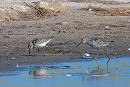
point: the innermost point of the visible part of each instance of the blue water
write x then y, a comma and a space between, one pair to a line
71, 74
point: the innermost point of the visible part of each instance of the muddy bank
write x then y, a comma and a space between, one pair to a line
68, 29
30, 10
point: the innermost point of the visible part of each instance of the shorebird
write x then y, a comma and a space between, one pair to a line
96, 43
38, 43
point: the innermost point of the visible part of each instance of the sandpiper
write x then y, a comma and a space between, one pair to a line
38, 43
97, 43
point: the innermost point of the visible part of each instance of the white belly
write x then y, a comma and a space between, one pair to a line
41, 45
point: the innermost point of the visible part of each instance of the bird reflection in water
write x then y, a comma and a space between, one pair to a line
40, 72
95, 74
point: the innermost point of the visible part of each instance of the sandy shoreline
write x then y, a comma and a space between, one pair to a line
15, 36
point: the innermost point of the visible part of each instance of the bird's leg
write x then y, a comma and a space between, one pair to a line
96, 59
107, 64
108, 57
29, 51
38, 50
43, 52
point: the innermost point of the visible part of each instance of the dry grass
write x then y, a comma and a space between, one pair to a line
120, 11
37, 12
34, 12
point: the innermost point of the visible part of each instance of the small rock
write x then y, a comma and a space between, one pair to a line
86, 55
107, 27
90, 9
17, 65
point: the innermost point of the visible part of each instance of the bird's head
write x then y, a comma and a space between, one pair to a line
83, 40
30, 45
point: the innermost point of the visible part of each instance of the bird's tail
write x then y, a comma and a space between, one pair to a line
111, 41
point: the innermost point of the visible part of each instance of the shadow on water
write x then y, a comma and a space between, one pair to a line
80, 73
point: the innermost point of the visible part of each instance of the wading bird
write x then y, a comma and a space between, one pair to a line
39, 43
96, 43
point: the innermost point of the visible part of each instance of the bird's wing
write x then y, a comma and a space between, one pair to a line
41, 41
103, 43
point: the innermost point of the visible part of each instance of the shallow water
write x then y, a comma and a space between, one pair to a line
83, 73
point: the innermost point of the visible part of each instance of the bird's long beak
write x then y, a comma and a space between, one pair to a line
78, 44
